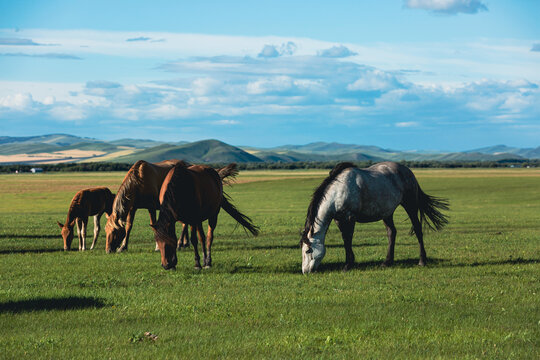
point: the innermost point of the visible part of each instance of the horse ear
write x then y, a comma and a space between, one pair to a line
71, 224
60, 224
154, 227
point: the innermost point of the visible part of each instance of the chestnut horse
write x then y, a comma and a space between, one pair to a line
192, 195
85, 203
140, 189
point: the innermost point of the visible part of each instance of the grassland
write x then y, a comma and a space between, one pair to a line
477, 298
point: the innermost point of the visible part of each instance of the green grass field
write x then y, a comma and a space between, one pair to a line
477, 298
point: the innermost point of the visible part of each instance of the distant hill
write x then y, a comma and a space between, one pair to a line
205, 151
52, 139
68, 148
527, 153
136, 143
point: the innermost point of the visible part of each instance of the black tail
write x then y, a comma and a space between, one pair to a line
242, 219
228, 173
429, 210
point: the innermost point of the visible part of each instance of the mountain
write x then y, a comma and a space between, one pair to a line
136, 143
52, 139
55, 148
527, 153
205, 151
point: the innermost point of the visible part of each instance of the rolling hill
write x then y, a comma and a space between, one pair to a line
205, 151
68, 148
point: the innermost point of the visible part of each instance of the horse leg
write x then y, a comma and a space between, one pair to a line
202, 240
96, 229
129, 224
152, 213
212, 222
183, 240
194, 243
83, 233
417, 227
347, 229
79, 231
391, 232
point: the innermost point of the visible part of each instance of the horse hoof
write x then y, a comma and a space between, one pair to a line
207, 266
421, 263
119, 250
387, 264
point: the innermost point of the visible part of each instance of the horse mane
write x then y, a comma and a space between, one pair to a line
73, 207
126, 191
167, 211
318, 197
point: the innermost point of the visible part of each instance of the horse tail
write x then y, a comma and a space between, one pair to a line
429, 207
228, 173
242, 219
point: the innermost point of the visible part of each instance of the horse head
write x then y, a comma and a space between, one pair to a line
67, 233
313, 252
167, 246
114, 234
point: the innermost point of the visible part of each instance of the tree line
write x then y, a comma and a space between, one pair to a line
107, 166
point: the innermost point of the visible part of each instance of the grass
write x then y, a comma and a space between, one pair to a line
477, 298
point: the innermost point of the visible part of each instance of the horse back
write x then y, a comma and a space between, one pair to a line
194, 193
93, 201
373, 193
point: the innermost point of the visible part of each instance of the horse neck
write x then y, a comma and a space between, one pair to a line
325, 214
166, 217
72, 214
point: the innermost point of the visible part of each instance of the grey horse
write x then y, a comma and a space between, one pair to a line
350, 195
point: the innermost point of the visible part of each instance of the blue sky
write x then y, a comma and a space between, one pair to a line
400, 74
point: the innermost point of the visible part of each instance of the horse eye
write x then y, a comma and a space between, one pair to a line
309, 251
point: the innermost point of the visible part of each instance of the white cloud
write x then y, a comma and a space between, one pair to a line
406, 124
272, 51
375, 80
270, 85
448, 6
225, 122
337, 52
68, 112
17, 102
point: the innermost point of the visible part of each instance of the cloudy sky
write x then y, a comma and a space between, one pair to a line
400, 74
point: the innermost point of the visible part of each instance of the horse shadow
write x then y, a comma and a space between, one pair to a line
53, 303
337, 266
30, 251
26, 236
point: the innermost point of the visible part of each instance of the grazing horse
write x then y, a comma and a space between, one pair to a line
192, 195
140, 189
85, 203
350, 195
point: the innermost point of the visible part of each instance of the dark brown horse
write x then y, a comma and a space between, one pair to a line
85, 203
139, 190
192, 195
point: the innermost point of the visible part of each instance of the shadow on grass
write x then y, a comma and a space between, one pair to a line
29, 251
295, 246
296, 268
46, 304
26, 236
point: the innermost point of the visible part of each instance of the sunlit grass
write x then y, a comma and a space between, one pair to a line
478, 296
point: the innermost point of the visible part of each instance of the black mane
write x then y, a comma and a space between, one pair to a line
318, 196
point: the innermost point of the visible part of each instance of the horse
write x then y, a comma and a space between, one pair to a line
350, 195
85, 203
229, 171
192, 195
139, 190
